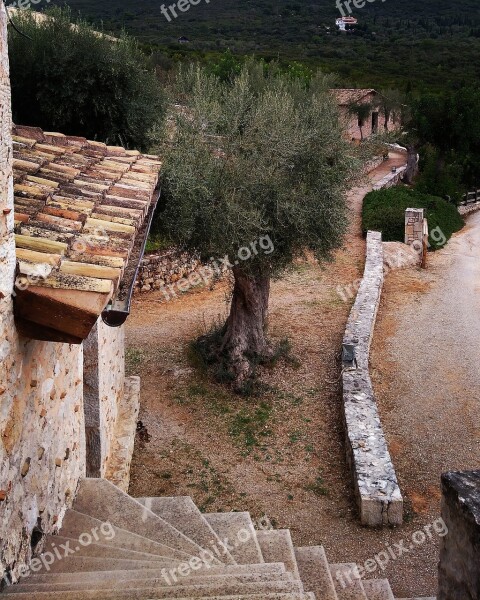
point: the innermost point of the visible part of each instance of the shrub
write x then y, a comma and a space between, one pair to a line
72, 79
384, 211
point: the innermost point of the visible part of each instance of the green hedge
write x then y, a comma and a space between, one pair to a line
384, 211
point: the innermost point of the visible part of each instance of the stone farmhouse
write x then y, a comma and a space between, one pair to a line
74, 216
371, 125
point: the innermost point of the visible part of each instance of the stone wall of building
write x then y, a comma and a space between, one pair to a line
111, 405
459, 568
378, 495
42, 443
103, 380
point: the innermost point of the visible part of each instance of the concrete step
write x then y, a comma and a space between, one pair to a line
315, 572
101, 499
165, 579
271, 570
76, 524
236, 529
277, 546
347, 584
61, 546
378, 589
80, 564
143, 593
183, 514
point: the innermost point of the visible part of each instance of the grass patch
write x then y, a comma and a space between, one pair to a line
317, 487
249, 425
384, 210
157, 243
134, 358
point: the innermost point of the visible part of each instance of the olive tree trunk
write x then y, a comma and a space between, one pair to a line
244, 339
412, 165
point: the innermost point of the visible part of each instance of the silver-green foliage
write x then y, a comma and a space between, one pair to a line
262, 155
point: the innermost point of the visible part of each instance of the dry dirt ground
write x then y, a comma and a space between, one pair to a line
280, 454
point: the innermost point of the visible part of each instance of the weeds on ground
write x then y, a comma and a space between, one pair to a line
317, 487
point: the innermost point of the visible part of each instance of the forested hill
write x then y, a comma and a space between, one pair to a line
424, 42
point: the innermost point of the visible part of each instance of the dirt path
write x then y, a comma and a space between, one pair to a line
282, 454
425, 361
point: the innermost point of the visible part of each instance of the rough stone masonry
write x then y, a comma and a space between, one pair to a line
378, 495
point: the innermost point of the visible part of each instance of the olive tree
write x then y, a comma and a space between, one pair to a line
260, 162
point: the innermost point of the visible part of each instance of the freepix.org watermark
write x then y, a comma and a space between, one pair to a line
181, 6
218, 267
218, 548
392, 552
345, 6
58, 551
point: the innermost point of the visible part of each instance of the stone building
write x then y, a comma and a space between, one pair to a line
73, 218
374, 123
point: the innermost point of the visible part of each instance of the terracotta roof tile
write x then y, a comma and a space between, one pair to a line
345, 96
82, 202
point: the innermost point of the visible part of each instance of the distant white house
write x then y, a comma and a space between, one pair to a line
342, 22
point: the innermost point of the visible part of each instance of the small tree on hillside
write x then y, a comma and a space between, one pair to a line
72, 79
391, 104
362, 111
258, 172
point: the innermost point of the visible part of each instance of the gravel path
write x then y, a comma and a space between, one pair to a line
425, 361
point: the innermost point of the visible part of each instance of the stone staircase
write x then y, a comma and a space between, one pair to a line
114, 547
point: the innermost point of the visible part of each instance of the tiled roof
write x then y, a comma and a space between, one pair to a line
79, 206
346, 96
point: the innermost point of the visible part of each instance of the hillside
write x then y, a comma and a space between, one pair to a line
424, 43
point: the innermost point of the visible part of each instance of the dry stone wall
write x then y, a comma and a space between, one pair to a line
164, 269
378, 495
41, 411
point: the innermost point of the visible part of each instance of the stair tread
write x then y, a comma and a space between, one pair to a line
104, 501
378, 589
75, 524
143, 592
272, 569
277, 546
315, 572
347, 584
183, 514
158, 580
80, 564
263, 596
237, 528
72, 546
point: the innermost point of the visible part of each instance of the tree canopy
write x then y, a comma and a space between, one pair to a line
263, 155
72, 79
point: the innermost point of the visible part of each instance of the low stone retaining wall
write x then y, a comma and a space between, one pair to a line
164, 269
379, 498
391, 179
466, 209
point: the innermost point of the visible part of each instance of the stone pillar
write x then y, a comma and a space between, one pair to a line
459, 570
414, 226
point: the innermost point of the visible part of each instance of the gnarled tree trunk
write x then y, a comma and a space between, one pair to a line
244, 339
412, 165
